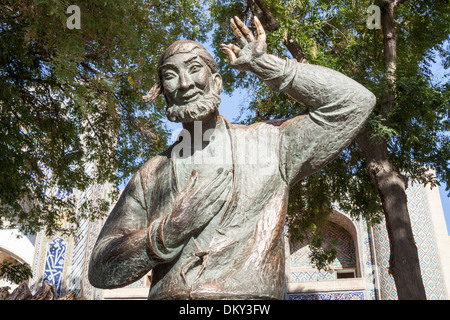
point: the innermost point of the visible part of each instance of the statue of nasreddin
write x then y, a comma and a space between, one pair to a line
208, 214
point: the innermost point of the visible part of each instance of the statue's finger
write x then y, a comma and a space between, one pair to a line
192, 179
189, 186
215, 192
218, 179
232, 47
235, 48
259, 29
230, 54
238, 33
244, 29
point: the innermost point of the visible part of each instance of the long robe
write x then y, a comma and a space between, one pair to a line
238, 254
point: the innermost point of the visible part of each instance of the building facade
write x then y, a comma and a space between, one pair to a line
361, 269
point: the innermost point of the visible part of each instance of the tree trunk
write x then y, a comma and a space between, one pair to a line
47, 291
4, 292
404, 263
22, 292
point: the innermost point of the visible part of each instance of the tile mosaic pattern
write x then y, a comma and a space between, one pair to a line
356, 295
336, 236
426, 244
369, 267
54, 263
312, 276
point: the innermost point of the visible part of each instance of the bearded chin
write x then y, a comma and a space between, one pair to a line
194, 111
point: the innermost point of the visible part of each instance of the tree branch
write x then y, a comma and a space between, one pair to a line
390, 56
264, 14
294, 48
270, 23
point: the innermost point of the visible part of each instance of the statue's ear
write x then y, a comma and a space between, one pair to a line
218, 82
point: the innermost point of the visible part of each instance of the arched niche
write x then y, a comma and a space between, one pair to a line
341, 232
351, 237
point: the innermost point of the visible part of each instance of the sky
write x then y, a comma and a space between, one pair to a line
439, 73
445, 206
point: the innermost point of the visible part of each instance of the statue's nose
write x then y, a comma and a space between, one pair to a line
185, 81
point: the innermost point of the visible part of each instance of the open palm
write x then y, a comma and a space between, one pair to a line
250, 47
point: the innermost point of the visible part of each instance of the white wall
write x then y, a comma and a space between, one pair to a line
21, 248
440, 229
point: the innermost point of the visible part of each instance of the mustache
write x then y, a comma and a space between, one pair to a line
193, 111
190, 94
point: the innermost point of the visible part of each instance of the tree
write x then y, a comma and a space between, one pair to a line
72, 97
15, 272
370, 177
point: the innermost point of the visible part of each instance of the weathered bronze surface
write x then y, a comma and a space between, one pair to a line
207, 215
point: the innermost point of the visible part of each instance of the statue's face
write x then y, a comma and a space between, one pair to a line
185, 78
190, 88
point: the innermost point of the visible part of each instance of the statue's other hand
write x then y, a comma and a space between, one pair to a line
250, 47
196, 205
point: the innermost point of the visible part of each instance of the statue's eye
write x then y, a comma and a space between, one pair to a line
169, 75
195, 68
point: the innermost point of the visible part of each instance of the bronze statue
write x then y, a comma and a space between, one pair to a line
207, 215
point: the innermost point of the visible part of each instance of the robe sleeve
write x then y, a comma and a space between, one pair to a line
338, 108
128, 247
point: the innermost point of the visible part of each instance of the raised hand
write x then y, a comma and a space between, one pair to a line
196, 205
241, 58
